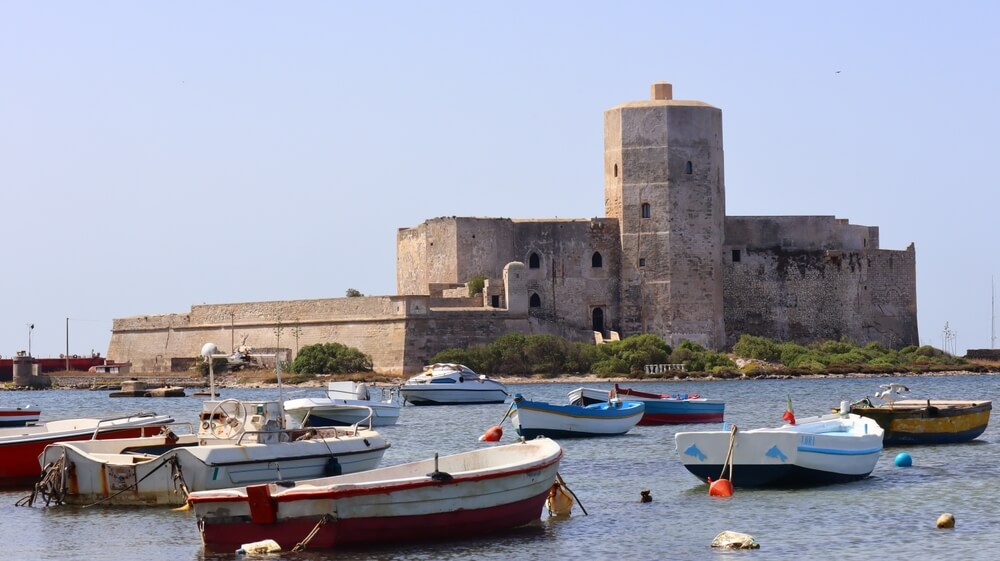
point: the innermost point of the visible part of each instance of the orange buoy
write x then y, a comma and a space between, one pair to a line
492, 434
720, 488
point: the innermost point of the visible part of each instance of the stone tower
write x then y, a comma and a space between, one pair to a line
663, 181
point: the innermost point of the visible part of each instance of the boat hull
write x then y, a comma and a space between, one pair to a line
659, 410
140, 472
20, 448
532, 419
935, 422
400, 503
310, 412
17, 417
428, 394
818, 451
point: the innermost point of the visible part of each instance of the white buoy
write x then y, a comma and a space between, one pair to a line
259, 548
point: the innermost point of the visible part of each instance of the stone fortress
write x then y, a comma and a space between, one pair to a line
665, 259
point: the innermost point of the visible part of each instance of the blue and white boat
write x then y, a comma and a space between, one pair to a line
816, 451
661, 409
537, 418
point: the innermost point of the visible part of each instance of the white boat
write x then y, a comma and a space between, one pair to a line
816, 451
346, 403
608, 418
451, 497
451, 384
237, 443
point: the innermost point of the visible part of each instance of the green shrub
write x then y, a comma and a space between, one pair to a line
476, 285
330, 358
761, 348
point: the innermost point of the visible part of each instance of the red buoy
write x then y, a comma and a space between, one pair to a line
492, 434
720, 488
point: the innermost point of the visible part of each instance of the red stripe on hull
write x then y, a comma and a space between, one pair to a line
441, 526
19, 461
675, 419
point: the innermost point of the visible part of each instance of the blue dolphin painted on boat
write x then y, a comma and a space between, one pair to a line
775, 453
695, 452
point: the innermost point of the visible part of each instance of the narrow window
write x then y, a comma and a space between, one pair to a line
688, 168
736, 256
645, 210
642, 261
596, 261
616, 170
535, 301
534, 261
495, 300
864, 242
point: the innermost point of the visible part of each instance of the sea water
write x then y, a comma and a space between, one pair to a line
890, 515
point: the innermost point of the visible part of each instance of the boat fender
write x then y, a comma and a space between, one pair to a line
559, 502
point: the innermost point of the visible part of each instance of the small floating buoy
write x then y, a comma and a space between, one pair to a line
720, 488
645, 497
492, 434
946, 520
257, 548
903, 460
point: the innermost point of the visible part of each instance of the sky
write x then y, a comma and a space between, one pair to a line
159, 155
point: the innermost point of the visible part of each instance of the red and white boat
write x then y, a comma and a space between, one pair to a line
455, 496
20, 446
18, 416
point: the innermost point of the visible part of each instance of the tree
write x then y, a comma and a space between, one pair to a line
354, 293
331, 358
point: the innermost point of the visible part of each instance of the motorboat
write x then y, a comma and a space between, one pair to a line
452, 497
346, 403
20, 446
236, 443
451, 384
819, 450
19, 416
661, 408
538, 418
925, 421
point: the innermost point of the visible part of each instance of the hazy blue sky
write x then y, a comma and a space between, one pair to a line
159, 155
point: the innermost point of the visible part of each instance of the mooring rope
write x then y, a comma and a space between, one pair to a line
301, 546
50, 486
559, 480
729, 455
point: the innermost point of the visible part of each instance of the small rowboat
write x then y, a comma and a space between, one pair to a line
608, 418
457, 496
18, 416
817, 451
661, 409
915, 421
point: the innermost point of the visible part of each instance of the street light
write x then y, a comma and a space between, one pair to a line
209, 351
31, 327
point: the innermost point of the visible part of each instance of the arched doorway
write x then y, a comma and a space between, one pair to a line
598, 319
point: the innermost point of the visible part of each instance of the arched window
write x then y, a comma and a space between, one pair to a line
535, 301
688, 168
645, 210
597, 261
534, 261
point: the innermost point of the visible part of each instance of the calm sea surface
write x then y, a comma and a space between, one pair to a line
890, 515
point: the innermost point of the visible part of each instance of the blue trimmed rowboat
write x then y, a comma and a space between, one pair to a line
817, 451
608, 418
661, 409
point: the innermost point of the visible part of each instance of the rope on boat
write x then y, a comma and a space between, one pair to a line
51, 486
729, 455
560, 482
301, 546
170, 460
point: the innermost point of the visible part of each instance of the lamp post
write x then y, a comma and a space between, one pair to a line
31, 328
67, 344
209, 351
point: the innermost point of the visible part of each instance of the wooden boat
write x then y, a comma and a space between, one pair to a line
18, 416
537, 418
456, 496
661, 409
346, 403
451, 384
917, 421
135, 388
20, 446
237, 443
815, 451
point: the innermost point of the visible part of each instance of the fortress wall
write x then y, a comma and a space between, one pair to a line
799, 232
375, 325
411, 259
485, 245
815, 295
566, 281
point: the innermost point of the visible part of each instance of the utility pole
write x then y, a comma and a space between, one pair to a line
67, 344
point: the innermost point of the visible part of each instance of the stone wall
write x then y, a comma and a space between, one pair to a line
799, 232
